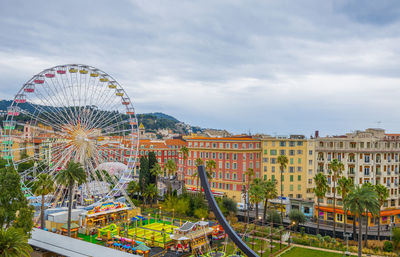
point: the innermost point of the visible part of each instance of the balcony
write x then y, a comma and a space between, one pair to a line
378, 161
351, 160
320, 159
367, 174
351, 173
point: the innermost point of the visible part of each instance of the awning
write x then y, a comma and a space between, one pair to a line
340, 211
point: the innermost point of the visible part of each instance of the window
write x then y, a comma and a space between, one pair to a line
291, 152
292, 143
273, 177
272, 152
220, 156
299, 169
291, 178
227, 165
234, 176
282, 152
298, 177
227, 156
310, 181
299, 187
214, 145
310, 162
300, 143
310, 152
227, 145
291, 169
244, 166
299, 151
234, 156
265, 160
250, 146
265, 168
291, 160
282, 143
244, 157
273, 168
227, 176
234, 166
207, 145
214, 155
291, 187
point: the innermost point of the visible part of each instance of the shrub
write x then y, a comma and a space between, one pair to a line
388, 246
327, 239
274, 216
302, 231
297, 217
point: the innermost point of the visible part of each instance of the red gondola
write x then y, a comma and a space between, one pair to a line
61, 71
29, 88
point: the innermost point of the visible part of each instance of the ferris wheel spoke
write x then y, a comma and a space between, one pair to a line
109, 104
48, 103
43, 121
65, 97
41, 111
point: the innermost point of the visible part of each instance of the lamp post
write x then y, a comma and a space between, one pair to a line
262, 240
148, 219
347, 235
173, 216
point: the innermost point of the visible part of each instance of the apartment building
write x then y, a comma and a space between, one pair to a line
295, 178
233, 155
368, 156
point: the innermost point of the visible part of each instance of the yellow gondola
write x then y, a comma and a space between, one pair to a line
119, 94
93, 74
104, 79
112, 86
73, 70
83, 72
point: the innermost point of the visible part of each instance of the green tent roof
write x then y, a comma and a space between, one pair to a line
143, 248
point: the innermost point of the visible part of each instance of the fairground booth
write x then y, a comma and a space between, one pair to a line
105, 214
193, 235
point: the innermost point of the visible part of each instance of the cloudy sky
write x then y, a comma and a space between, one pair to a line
275, 67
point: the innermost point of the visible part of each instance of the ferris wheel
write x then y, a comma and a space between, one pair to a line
72, 113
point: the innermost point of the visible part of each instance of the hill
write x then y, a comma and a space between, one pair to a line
152, 121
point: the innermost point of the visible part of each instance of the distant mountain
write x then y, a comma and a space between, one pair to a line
151, 121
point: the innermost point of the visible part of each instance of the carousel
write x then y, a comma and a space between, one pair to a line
192, 236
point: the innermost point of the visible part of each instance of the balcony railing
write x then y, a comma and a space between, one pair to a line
351, 160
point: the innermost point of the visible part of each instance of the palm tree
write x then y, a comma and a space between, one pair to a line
321, 186
335, 169
283, 161
199, 162
210, 166
185, 153
171, 168
14, 243
366, 213
250, 174
133, 188
270, 192
357, 201
256, 193
73, 174
150, 192
383, 194
43, 186
345, 185
156, 171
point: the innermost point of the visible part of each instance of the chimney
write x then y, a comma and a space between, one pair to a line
316, 134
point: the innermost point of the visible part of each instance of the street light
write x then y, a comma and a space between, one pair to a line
262, 240
347, 235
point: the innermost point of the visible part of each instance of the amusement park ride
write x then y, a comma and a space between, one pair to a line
72, 112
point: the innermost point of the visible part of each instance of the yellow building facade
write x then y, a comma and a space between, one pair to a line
294, 177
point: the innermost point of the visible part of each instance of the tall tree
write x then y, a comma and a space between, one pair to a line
152, 162
283, 161
185, 154
345, 185
144, 173
357, 201
150, 193
211, 165
249, 178
371, 187
270, 192
43, 185
256, 193
199, 162
320, 189
73, 174
383, 195
14, 243
133, 188
171, 168
14, 208
156, 171
335, 170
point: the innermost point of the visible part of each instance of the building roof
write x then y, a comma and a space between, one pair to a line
71, 247
232, 138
